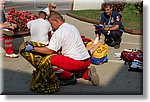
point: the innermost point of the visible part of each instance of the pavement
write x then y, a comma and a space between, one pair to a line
115, 79
114, 76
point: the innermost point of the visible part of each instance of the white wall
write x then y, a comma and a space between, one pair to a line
86, 4
93, 4
132, 1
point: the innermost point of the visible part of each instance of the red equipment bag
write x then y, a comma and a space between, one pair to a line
134, 58
128, 55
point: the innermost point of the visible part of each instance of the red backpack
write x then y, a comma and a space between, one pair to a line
134, 58
128, 55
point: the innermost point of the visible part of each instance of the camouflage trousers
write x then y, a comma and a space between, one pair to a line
44, 79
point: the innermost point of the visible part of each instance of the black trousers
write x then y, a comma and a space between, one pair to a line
116, 36
113, 36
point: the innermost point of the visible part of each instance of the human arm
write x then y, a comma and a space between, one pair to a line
101, 25
5, 25
94, 48
116, 27
43, 50
117, 23
8, 25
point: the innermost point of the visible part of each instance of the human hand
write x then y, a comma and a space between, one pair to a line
14, 25
28, 48
107, 29
11, 27
6, 24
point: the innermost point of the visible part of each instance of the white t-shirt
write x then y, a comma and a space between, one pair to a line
69, 39
39, 29
46, 10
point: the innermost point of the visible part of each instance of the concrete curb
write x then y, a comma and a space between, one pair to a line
134, 32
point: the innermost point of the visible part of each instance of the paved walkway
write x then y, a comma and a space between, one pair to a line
114, 75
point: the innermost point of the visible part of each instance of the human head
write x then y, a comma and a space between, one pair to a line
2, 4
42, 14
56, 20
52, 7
107, 7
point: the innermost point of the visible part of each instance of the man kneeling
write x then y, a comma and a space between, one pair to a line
74, 57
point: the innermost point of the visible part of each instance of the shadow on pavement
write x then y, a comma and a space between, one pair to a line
121, 83
124, 82
17, 83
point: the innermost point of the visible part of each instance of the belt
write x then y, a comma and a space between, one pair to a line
85, 60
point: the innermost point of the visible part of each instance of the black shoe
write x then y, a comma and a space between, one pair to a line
111, 44
117, 46
70, 81
79, 74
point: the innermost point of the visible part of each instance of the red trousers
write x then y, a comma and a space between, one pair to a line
65, 66
8, 44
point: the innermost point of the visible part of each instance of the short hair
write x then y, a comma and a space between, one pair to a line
43, 13
105, 5
56, 15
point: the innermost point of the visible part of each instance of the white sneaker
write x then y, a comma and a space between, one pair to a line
12, 55
7, 32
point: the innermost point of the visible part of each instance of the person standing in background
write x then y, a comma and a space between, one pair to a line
51, 8
7, 39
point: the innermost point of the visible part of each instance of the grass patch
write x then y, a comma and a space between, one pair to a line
90, 14
130, 18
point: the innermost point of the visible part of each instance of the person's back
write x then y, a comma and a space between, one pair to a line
39, 30
72, 44
74, 57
